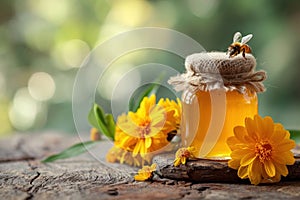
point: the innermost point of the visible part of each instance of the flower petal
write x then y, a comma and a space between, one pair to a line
140, 177
269, 168
155, 131
233, 143
282, 170
286, 145
255, 172
177, 162
251, 127
286, 158
259, 126
127, 141
148, 142
137, 148
279, 158
153, 167
276, 178
268, 127
248, 158
157, 116
143, 149
289, 158
234, 164
183, 160
239, 153
240, 132
145, 173
243, 172
278, 135
287, 135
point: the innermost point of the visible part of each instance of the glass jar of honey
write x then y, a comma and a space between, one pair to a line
218, 94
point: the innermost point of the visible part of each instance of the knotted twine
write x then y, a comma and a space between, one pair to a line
215, 70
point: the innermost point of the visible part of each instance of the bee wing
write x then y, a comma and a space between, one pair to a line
246, 38
237, 37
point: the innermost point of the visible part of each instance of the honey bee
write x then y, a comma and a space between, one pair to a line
239, 45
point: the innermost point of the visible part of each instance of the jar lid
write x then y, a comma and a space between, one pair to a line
215, 70
219, 62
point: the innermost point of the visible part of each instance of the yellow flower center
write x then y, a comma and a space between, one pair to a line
263, 150
181, 153
144, 129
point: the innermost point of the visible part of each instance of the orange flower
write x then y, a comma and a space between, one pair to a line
183, 154
146, 173
261, 150
146, 130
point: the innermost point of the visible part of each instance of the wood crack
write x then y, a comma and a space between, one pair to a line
24, 158
30, 191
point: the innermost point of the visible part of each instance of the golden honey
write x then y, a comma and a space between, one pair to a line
219, 92
209, 119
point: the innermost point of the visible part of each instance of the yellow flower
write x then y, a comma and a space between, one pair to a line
146, 130
116, 154
173, 110
261, 150
94, 134
183, 154
145, 173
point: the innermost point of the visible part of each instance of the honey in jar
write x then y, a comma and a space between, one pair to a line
218, 94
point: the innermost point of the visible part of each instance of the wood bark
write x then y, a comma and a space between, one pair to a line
209, 170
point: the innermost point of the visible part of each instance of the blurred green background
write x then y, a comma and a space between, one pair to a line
43, 43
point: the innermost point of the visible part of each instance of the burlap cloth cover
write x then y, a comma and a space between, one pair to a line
215, 70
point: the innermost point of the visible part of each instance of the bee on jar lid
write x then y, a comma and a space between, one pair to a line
239, 45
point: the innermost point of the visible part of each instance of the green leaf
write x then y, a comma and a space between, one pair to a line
99, 120
295, 135
111, 126
100, 117
151, 89
92, 118
131, 104
135, 104
72, 151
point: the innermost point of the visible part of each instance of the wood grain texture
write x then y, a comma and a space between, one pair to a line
22, 176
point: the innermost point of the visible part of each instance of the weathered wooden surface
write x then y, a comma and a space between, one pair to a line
209, 170
22, 176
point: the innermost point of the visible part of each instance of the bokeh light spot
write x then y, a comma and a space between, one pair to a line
41, 86
131, 12
203, 8
71, 54
23, 110
55, 11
